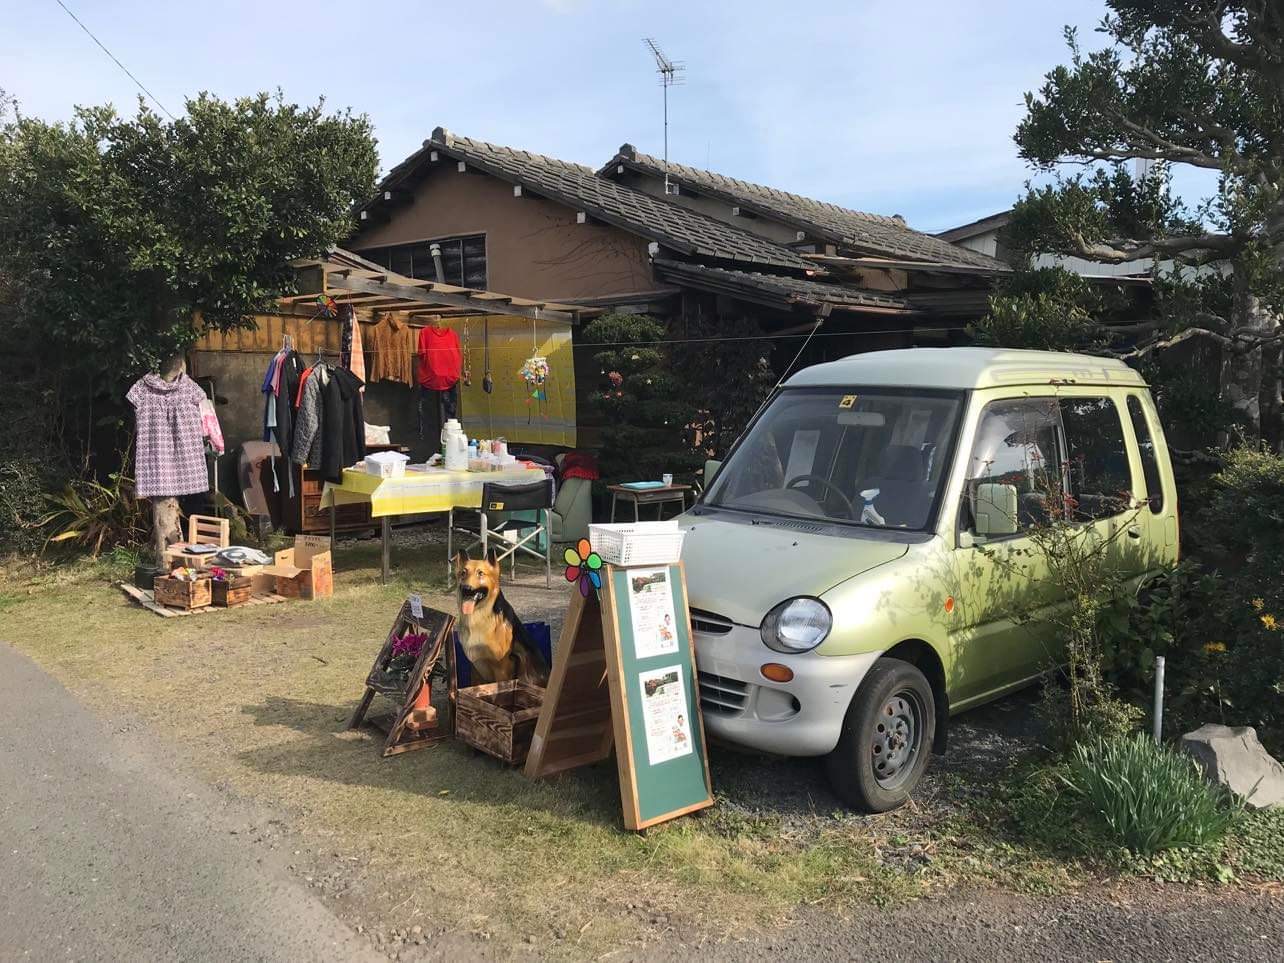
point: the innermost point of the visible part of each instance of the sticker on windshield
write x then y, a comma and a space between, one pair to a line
847, 401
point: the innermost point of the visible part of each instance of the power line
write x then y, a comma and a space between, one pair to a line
117, 61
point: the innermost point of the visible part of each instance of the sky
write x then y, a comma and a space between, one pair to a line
895, 108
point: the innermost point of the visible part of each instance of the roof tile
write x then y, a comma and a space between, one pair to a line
875, 233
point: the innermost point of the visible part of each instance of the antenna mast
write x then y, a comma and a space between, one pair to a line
670, 74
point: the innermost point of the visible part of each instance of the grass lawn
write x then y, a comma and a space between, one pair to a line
257, 700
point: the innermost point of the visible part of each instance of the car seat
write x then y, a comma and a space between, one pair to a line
904, 497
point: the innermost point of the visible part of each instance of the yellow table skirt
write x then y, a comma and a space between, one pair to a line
418, 492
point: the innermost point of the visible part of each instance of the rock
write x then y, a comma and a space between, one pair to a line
1232, 757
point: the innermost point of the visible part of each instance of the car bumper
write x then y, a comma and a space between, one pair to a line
802, 717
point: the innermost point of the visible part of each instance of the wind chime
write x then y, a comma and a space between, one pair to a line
534, 372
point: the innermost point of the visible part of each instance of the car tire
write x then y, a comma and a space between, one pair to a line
886, 739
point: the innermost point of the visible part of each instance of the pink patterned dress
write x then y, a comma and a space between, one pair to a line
169, 447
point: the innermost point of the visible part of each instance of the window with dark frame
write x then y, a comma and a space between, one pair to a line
463, 260
1149, 460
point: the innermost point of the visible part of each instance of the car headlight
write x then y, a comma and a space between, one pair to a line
797, 625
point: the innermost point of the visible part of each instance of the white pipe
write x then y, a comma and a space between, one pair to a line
1159, 699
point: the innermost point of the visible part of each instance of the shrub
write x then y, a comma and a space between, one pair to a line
1149, 797
1218, 618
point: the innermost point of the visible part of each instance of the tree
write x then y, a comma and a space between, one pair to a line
1184, 82
637, 399
115, 233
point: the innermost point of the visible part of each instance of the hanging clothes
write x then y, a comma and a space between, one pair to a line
306, 447
329, 431
169, 451
343, 424
210, 427
280, 384
392, 350
440, 358
357, 355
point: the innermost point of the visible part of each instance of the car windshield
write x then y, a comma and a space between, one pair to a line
873, 457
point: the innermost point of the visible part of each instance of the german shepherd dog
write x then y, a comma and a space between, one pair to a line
493, 637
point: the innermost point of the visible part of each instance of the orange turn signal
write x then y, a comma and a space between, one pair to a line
776, 672
949, 604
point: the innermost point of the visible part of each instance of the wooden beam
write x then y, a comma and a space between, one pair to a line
491, 296
437, 296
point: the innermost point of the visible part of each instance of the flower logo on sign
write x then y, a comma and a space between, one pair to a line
583, 565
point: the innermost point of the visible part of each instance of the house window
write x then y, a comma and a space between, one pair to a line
463, 260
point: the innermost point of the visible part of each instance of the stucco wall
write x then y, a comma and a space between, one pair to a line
534, 247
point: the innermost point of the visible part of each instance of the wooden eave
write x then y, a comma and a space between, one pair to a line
351, 279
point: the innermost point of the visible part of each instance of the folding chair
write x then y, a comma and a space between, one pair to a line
534, 496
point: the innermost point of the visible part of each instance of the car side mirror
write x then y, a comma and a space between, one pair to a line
994, 510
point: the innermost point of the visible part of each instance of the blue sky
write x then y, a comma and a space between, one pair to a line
897, 108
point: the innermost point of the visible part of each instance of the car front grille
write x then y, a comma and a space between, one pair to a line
721, 695
709, 623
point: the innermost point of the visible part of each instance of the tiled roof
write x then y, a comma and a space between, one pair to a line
579, 187
774, 288
874, 233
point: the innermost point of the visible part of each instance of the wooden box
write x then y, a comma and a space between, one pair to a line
304, 571
499, 718
179, 594
229, 592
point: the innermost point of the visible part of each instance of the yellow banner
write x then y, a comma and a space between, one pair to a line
509, 411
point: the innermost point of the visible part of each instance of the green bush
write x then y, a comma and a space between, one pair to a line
1218, 619
1150, 798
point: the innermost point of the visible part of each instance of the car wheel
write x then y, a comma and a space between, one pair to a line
886, 739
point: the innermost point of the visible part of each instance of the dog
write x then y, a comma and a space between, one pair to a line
493, 637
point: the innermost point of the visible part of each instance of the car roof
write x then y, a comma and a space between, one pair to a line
965, 368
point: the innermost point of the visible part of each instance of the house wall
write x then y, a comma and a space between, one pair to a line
534, 247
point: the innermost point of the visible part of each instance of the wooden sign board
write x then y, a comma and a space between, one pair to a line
403, 689
624, 675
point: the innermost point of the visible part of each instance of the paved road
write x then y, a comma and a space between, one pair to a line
106, 854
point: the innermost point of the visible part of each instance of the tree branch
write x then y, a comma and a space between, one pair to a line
1236, 342
1119, 250
1169, 149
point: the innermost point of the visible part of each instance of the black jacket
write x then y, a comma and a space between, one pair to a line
343, 424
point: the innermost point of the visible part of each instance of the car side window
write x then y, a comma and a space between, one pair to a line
1016, 465
1100, 476
1149, 460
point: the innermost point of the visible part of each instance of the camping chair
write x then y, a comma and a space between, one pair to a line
534, 496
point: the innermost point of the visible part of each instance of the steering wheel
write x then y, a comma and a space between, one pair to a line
829, 487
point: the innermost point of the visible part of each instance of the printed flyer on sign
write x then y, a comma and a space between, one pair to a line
651, 608
664, 712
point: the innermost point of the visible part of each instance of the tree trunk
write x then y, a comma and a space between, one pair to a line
1249, 378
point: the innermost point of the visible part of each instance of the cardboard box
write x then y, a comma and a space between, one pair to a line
304, 571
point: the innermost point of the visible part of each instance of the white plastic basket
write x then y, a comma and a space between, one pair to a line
642, 543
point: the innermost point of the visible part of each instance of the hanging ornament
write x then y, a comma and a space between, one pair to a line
534, 372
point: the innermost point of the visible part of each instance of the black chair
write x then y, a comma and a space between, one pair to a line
533, 496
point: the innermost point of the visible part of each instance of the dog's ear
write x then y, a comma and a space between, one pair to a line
492, 558
461, 558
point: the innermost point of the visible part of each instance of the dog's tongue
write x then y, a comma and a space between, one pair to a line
467, 605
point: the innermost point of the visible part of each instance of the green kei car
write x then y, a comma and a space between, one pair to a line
859, 569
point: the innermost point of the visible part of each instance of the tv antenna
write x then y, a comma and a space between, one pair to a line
670, 75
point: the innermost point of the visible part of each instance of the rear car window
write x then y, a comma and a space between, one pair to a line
1149, 460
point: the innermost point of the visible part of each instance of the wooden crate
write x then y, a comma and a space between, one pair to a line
178, 594
499, 718
227, 593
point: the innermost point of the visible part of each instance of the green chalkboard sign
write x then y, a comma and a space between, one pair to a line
655, 701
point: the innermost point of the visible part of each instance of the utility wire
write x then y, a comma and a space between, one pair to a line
117, 61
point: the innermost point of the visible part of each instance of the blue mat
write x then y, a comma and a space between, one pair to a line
541, 634
642, 485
